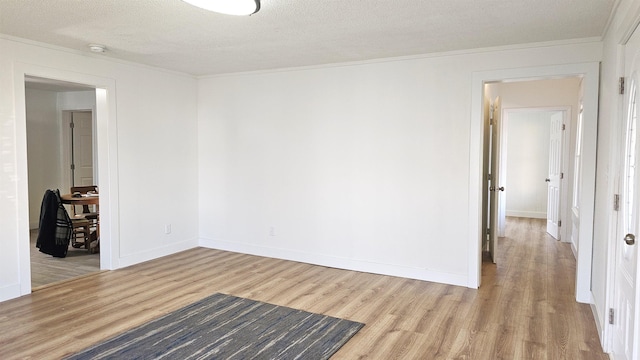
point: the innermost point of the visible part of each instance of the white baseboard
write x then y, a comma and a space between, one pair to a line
13, 291
9, 292
136, 258
599, 327
574, 250
338, 262
526, 214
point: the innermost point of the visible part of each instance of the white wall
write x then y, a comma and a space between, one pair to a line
362, 166
76, 100
43, 144
527, 165
149, 133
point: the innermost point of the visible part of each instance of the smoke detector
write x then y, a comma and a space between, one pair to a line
96, 48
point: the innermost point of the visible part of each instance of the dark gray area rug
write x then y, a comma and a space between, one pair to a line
228, 327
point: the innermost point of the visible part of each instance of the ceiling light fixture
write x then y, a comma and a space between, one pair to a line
229, 7
97, 48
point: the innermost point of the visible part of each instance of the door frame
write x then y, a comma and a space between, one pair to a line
590, 72
106, 141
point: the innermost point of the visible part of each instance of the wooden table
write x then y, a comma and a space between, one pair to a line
92, 199
82, 200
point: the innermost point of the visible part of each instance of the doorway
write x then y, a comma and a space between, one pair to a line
535, 159
52, 139
589, 75
526, 172
106, 155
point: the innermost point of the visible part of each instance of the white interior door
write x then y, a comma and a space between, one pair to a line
82, 148
625, 301
577, 179
502, 171
554, 176
486, 170
495, 189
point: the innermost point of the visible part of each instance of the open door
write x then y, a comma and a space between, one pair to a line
81, 142
495, 189
555, 174
486, 172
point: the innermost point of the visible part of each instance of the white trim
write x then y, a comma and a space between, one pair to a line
590, 72
22, 191
9, 292
476, 151
336, 262
107, 152
629, 23
613, 187
612, 16
107, 144
157, 252
596, 317
534, 45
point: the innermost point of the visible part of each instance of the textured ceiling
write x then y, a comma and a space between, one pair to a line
174, 35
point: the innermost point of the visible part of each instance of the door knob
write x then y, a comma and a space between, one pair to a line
630, 239
547, 180
501, 188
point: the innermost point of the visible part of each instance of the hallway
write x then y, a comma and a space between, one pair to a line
532, 292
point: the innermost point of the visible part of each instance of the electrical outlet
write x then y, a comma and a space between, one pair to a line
167, 229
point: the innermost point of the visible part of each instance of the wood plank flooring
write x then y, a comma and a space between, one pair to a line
525, 308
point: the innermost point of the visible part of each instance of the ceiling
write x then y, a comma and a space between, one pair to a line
174, 35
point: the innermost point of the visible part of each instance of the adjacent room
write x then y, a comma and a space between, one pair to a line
60, 148
537, 166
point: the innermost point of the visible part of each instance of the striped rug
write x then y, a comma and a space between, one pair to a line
228, 327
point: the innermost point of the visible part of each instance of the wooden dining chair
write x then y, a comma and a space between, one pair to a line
87, 212
81, 230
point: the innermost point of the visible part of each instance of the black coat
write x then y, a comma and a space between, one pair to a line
55, 230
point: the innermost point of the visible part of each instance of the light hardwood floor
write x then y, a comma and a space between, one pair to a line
524, 309
46, 269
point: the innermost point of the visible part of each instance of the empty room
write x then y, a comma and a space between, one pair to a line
336, 174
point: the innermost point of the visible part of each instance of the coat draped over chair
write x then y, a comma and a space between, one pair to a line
55, 226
